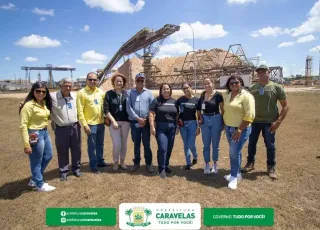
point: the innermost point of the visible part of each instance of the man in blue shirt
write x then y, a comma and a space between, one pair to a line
138, 102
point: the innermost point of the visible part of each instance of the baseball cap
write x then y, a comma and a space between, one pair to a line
140, 75
264, 67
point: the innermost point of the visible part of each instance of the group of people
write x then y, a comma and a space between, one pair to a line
242, 113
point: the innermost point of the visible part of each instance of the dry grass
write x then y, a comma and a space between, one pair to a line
295, 196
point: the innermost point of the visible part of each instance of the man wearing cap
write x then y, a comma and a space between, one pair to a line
90, 112
67, 129
266, 94
138, 102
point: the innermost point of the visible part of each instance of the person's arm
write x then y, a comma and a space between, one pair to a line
284, 110
249, 115
81, 117
199, 115
152, 115
25, 116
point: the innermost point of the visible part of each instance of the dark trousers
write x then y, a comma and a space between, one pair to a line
165, 135
138, 134
68, 137
269, 140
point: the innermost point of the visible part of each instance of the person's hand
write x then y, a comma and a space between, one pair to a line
274, 126
236, 135
200, 120
53, 125
115, 125
27, 150
87, 130
177, 130
198, 131
153, 131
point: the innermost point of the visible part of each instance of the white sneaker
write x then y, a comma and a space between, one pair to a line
233, 181
227, 177
46, 188
214, 168
207, 169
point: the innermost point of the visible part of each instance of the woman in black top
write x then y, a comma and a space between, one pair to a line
115, 110
164, 112
209, 109
188, 123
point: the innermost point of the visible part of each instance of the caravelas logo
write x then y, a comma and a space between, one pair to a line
138, 216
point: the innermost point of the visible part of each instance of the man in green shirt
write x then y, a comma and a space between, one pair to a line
266, 94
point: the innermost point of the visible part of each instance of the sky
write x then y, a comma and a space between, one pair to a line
85, 34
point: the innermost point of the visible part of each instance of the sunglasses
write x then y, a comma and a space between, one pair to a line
90, 79
141, 81
38, 91
234, 82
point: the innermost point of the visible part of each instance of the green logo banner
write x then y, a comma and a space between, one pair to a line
81, 216
238, 217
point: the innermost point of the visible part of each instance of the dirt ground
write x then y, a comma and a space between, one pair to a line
294, 196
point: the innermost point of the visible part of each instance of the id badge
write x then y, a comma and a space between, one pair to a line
120, 108
96, 101
203, 106
69, 105
138, 98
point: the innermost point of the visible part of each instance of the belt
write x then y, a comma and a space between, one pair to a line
70, 125
211, 114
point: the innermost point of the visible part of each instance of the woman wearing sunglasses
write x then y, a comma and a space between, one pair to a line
35, 113
189, 128
239, 112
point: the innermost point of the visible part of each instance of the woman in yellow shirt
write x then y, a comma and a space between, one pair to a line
35, 113
239, 112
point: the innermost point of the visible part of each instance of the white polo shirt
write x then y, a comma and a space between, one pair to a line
64, 109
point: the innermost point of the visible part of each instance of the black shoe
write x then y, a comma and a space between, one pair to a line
95, 171
150, 168
77, 173
104, 164
135, 167
188, 167
248, 167
168, 170
63, 177
194, 161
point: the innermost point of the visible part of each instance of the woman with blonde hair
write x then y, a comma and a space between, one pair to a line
35, 113
115, 111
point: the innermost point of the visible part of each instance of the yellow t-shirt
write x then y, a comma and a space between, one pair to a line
242, 108
33, 116
90, 106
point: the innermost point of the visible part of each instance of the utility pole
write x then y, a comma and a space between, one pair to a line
319, 66
194, 61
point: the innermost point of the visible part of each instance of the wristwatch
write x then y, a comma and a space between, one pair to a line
239, 130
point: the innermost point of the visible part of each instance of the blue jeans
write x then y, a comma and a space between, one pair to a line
137, 134
211, 129
95, 145
41, 155
165, 134
269, 141
235, 148
188, 134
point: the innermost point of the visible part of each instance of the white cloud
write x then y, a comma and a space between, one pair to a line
264, 62
312, 24
259, 55
31, 59
315, 49
286, 44
270, 32
117, 6
9, 6
91, 57
201, 31
43, 12
174, 49
86, 28
42, 19
65, 66
7, 58
36, 41
241, 1
308, 38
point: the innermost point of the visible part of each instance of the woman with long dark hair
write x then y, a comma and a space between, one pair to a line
188, 124
35, 113
239, 113
163, 116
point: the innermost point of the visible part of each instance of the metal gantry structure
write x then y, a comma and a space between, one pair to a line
49, 68
145, 39
308, 70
